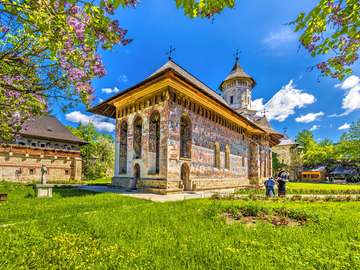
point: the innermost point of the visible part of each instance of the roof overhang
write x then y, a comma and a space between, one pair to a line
171, 78
80, 142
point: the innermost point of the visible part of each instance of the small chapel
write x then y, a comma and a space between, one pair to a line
175, 134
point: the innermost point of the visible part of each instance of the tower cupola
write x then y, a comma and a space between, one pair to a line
237, 87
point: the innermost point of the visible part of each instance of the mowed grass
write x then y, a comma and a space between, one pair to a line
322, 186
311, 188
83, 230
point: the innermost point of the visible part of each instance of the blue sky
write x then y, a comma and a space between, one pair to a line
270, 53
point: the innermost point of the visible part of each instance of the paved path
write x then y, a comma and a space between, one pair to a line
154, 197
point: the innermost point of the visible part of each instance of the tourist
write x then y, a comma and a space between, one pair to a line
281, 180
269, 185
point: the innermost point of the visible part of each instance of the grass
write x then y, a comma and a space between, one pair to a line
322, 186
312, 188
84, 230
98, 181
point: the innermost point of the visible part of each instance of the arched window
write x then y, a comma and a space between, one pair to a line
227, 157
123, 147
137, 137
154, 138
217, 155
185, 137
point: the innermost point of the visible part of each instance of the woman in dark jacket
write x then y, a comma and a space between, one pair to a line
282, 178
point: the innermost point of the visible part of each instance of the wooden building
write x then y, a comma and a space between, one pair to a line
316, 174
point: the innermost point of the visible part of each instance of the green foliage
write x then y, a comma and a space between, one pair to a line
348, 148
331, 28
98, 155
107, 231
204, 8
314, 153
277, 165
49, 54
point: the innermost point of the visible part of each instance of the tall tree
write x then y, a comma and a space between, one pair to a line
349, 146
98, 155
315, 153
49, 52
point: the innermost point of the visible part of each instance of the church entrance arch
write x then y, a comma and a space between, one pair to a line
185, 176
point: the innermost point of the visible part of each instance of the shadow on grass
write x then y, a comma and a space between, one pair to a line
72, 192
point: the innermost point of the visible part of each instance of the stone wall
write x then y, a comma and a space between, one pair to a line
23, 164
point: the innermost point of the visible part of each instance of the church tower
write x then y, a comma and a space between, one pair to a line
237, 88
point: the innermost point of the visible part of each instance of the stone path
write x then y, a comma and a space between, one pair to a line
154, 197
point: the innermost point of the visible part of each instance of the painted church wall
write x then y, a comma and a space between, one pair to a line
205, 133
149, 177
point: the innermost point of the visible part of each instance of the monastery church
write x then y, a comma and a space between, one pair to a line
174, 133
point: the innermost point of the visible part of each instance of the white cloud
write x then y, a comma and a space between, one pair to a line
351, 100
100, 100
110, 90
310, 117
284, 102
98, 121
257, 104
344, 126
276, 39
122, 78
314, 127
349, 82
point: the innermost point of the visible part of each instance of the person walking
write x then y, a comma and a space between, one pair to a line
282, 179
269, 186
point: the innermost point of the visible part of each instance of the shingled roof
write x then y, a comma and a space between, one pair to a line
237, 72
50, 128
187, 75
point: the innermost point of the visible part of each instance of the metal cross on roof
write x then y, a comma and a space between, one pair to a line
264, 112
170, 51
237, 54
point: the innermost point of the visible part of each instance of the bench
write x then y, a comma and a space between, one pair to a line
3, 197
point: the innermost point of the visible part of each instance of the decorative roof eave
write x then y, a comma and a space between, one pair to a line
108, 108
80, 141
275, 138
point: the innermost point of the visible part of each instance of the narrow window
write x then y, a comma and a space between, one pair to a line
227, 157
185, 137
66, 172
154, 138
217, 155
123, 147
31, 171
231, 99
137, 137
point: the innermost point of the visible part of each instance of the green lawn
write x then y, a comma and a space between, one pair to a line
311, 188
107, 231
322, 186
